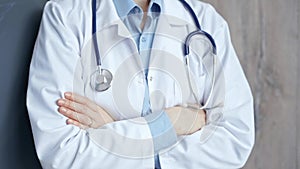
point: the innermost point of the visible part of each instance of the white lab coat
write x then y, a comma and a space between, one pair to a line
59, 65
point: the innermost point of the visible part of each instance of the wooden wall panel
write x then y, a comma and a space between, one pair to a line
265, 34
298, 86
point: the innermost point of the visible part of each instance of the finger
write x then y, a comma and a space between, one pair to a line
82, 100
76, 97
86, 101
81, 118
77, 107
76, 123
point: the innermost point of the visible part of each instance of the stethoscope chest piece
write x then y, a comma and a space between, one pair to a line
101, 80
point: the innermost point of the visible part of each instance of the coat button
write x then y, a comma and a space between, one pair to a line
143, 39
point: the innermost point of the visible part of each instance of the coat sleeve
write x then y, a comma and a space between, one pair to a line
231, 137
62, 146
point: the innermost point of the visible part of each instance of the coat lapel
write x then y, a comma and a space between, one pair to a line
166, 66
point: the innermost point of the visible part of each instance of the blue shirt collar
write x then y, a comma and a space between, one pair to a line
124, 7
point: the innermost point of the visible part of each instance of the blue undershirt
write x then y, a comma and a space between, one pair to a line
131, 14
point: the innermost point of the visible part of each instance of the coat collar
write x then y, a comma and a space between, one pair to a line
176, 14
109, 16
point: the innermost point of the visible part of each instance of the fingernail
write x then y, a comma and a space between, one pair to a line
63, 110
68, 94
69, 121
61, 102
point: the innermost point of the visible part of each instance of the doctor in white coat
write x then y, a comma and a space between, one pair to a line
106, 129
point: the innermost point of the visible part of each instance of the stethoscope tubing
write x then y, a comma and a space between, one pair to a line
186, 49
94, 29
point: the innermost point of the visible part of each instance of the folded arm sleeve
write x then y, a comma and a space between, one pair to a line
162, 130
58, 145
232, 137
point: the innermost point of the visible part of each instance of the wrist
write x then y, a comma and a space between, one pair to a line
185, 120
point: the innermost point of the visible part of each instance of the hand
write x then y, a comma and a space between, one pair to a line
186, 120
82, 112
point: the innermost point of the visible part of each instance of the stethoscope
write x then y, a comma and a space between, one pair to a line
102, 78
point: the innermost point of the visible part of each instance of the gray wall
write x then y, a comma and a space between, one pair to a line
19, 22
265, 34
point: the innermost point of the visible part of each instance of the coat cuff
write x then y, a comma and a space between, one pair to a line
163, 133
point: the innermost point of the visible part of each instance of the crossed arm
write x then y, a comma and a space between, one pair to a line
84, 113
64, 146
